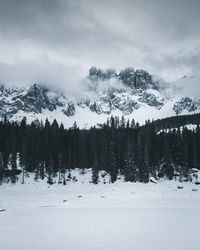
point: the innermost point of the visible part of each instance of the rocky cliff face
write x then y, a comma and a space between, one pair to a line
33, 99
132, 91
187, 104
36, 99
138, 79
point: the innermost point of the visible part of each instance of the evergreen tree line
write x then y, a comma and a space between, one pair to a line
174, 121
117, 147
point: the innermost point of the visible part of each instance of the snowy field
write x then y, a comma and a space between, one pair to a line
84, 216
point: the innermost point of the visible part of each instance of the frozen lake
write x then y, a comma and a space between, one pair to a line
81, 215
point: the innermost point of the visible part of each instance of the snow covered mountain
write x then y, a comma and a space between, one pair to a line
132, 93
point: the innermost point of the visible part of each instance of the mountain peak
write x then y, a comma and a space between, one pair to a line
139, 79
130, 92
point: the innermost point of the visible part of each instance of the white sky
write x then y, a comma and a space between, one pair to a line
57, 41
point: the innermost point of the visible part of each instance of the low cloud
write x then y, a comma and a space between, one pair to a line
188, 86
56, 42
59, 76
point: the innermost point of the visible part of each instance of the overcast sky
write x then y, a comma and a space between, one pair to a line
57, 41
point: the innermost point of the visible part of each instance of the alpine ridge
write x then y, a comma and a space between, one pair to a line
132, 93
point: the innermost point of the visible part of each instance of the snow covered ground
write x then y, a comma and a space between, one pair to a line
188, 126
81, 215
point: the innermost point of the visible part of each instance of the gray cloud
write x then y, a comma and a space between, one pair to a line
58, 40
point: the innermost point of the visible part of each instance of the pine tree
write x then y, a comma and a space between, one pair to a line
169, 166
145, 164
139, 157
95, 171
1, 168
112, 165
23, 157
130, 169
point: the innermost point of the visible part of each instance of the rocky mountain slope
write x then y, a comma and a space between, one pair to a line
132, 93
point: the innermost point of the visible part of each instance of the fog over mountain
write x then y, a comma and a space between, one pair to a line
56, 42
